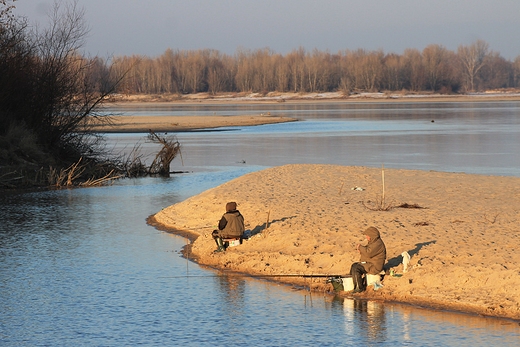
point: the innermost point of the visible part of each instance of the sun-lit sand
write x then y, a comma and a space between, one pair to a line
186, 123
461, 231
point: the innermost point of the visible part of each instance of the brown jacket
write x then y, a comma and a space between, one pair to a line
373, 255
231, 225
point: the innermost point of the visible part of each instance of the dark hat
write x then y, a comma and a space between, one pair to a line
231, 206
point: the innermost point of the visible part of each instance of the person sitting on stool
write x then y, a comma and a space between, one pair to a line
231, 225
373, 257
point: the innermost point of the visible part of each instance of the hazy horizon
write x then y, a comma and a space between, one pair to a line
128, 27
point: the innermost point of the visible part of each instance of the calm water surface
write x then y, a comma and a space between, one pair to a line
81, 267
482, 138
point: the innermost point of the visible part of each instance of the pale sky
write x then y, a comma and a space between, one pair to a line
149, 27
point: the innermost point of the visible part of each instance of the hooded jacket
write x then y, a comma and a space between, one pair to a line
374, 253
231, 224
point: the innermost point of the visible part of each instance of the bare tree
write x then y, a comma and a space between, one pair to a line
472, 59
392, 72
263, 70
346, 72
317, 71
368, 67
216, 78
166, 65
170, 149
414, 73
516, 72
196, 70
244, 70
281, 67
6, 12
296, 64
497, 72
64, 99
51, 94
435, 65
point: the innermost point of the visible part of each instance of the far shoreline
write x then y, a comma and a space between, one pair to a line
292, 98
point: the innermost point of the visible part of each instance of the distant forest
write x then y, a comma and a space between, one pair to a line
435, 69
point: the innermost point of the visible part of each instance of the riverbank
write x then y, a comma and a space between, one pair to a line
461, 231
289, 97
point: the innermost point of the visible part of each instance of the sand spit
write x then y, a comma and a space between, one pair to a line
461, 231
143, 124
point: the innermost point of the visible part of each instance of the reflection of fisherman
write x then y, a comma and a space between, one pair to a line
373, 257
231, 225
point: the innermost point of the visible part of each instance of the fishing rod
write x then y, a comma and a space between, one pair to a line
259, 276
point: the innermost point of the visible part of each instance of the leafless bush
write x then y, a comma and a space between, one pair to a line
161, 163
133, 165
378, 204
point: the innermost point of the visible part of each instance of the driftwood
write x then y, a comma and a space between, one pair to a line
161, 163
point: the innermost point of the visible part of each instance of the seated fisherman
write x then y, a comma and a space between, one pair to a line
372, 260
231, 225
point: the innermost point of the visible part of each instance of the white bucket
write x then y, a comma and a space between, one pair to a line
348, 284
234, 243
371, 279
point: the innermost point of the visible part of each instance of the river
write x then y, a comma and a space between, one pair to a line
81, 267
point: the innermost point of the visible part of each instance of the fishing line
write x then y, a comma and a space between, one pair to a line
255, 276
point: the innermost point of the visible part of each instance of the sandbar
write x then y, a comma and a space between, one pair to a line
140, 124
461, 231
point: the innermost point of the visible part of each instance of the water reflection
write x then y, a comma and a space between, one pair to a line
365, 319
232, 293
378, 323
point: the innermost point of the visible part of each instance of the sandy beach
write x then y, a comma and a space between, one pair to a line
461, 231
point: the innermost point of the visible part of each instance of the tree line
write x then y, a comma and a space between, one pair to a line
471, 68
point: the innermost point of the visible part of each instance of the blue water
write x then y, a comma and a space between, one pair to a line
82, 267
481, 138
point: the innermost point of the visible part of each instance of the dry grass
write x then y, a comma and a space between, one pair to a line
72, 177
379, 204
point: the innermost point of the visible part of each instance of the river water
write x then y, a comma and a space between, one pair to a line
82, 268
